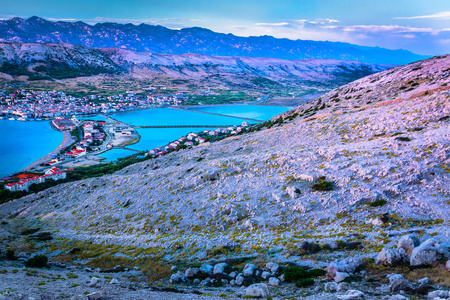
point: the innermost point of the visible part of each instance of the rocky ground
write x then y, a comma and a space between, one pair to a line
344, 176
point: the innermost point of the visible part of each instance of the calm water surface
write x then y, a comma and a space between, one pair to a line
23, 143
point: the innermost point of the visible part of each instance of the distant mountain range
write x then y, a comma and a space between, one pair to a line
194, 40
47, 61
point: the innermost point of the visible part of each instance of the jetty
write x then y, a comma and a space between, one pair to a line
215, 114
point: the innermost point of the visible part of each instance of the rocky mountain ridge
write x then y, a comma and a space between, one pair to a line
196, 40
61, 61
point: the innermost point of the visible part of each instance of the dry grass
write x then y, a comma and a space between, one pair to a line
438, 275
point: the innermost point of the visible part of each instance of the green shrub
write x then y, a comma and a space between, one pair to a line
293, 274
403, 139
303, 283
323, 185
10, 254
39, 261
316, 272
378, 203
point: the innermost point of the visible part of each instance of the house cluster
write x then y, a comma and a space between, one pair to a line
27, 104
24, 184
194, 139
92, 136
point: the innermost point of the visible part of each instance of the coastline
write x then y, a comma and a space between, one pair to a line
67, 140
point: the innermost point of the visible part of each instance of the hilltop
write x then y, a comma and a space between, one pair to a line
79, 68
343, 176
196, 40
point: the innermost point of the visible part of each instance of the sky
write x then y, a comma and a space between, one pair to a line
420, 26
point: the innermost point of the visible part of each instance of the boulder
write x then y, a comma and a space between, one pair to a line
273, 281
423, 281
191, 272
114, 281
408, 243
94, 281
389, 257
427, 254
258, 290
272, 267
395, 297
95, 296
331, 286
438, 295
348, 266
398, 283
239, 279
220, 268
447, 265
341, 276
352, 295
207, 269
249, 269
265, 275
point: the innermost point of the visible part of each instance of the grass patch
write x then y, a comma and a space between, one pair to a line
323, 185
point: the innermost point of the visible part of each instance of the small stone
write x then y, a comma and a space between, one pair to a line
196, 281
395, 297
265, 275
408, 243
224, 281
220, 268
352, 295
423, 281
249, 269
257, 290
191, 272
281, 277
207, 269
331, 286
114, 281
398, 283
447, 265
94, 281
232, 282
342, 287
341, 276
272, 267
232, 274
94, 296
173, 268
438, 294
273, 281
239, 279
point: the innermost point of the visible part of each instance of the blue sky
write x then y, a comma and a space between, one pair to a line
421, 26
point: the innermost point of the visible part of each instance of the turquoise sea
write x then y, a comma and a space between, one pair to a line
26, 142
23, 143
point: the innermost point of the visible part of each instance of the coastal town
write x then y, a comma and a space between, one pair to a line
89, 131
25, 104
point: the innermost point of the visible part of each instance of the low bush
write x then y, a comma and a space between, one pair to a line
323, 185
303, 283
39, 261
378, 203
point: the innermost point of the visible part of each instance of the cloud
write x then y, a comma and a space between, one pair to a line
421, 40
439, 15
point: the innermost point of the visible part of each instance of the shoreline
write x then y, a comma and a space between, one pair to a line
67, 140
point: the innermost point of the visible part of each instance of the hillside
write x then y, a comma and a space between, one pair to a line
75, 67
196, 40
341, 177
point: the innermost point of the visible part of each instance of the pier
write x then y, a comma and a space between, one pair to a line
220, 115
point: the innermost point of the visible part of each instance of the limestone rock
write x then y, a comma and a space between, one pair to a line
220, 268
331, 286
352, 295
408, 243
207, 269
447, 265
232, 274
94, 281
249, 269
257, 290
114, 281
191, 272
239, 279
272, 267
273, 281
426, 254
438, 294
95, 296
265, 275
389, 257
342, 287
423, 281
398, 283
341, 276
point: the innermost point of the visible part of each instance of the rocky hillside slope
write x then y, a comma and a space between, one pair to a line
190, 40
345, 175
34, 61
